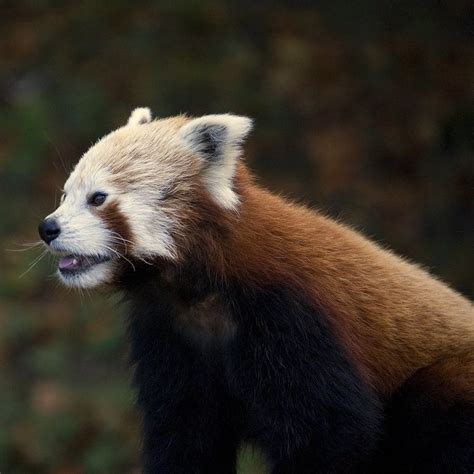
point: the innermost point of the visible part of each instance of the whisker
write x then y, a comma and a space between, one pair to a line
145, 261
117, 238
35, 262
135, 256
65, 168
119, 255
121, 239
81, 294
29, 246
88, 293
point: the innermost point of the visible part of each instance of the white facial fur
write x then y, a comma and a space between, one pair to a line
82, 231
136, 166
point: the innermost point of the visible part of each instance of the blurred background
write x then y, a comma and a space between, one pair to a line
363, 109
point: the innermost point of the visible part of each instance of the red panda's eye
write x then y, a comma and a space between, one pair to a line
97, 199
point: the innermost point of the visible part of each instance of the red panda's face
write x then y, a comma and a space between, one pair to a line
125, 200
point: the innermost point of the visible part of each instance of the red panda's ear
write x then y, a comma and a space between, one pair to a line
139, 116
218, 139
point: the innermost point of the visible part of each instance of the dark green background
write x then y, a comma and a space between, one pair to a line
363, 109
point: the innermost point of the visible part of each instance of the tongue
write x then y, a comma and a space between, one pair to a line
69, 263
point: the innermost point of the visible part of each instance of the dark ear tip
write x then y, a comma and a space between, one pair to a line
213, 135
210, 139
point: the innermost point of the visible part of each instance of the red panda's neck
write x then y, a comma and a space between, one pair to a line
265, 244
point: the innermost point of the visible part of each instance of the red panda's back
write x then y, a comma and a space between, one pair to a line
391, 315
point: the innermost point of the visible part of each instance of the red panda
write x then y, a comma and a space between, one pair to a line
255, 319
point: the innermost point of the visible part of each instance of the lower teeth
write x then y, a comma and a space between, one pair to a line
78, 263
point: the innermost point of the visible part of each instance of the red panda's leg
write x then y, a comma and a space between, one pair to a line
307, 407
430, 421
190, 424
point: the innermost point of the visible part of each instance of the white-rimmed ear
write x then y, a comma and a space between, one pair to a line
139, 116
218, 140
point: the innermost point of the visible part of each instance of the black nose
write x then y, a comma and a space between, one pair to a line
49, 229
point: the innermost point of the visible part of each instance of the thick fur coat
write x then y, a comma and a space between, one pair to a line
254, 319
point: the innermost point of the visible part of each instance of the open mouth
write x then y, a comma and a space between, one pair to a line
71, 264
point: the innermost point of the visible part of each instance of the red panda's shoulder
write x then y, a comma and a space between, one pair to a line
392, 316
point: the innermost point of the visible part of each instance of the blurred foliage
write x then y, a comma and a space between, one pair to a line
364, 109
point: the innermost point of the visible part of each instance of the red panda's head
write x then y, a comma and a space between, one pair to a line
128, 197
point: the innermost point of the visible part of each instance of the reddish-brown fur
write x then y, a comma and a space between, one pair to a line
117, 222
393, 317
293, 312
449, 381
